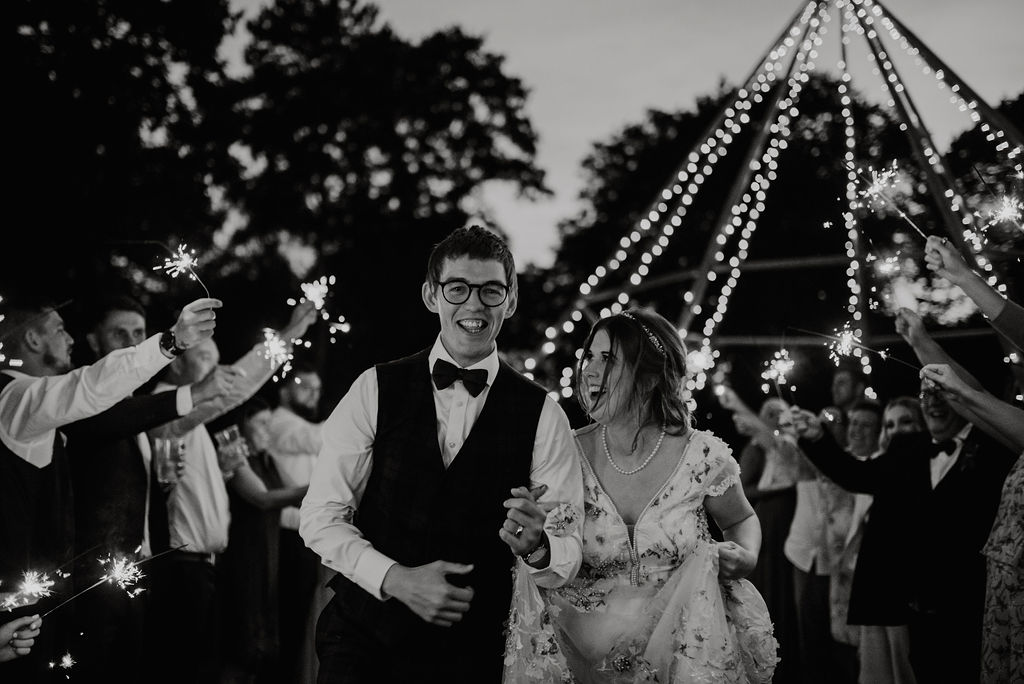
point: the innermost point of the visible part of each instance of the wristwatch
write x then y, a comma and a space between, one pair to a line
169, 344
538, 553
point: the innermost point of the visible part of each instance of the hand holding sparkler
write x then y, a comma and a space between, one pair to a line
943, 377
18, 636
220, 382
196, 323
945, 261
303, 316
806, 425
910, 327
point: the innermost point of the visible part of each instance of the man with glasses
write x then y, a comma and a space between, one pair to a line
942, 486
436, 472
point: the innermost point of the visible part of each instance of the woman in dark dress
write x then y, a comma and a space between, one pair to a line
250, 564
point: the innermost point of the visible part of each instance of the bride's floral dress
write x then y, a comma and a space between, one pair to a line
647, 605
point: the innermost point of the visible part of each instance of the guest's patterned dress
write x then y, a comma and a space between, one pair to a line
1002, 648
646, 606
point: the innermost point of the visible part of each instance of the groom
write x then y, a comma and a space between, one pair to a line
421, 497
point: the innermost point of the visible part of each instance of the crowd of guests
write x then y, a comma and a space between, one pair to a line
884, 541
231, 593
893, 531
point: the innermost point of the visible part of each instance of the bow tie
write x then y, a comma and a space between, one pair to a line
444, 374
946, 447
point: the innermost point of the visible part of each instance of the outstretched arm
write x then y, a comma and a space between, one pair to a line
822, 450
999, 419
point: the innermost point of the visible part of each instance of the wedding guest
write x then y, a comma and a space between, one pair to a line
1002, 646
770, 467
38, 398
884, 645
295, 441
118, 508
250, 570
420, 497
924, 481
184, 584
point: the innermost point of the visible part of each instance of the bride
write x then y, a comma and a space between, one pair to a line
657, 599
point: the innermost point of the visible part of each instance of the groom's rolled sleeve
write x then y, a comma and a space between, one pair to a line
556, 464
337, 485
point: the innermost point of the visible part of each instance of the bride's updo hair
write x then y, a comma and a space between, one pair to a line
650, 347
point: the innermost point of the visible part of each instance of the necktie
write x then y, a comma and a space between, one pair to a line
444, 374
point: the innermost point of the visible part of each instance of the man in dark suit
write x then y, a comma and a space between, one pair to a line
941, 489
421, 498
119, 509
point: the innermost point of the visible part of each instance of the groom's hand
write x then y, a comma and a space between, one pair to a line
426, 591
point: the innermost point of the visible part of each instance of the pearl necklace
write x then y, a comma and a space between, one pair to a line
608, 453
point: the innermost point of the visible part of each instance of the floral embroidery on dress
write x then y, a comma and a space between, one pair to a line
648, 608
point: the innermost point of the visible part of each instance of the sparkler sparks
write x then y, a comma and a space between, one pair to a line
874, 194
66, 662
34, 586
843, 344
277, 351
1008, 210
777, 369
125, 573
182, 261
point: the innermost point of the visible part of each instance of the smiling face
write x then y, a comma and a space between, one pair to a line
604, 379
898, 420
862, 432
939, 417
468, 330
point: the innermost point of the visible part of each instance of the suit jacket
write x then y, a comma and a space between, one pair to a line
109, 476
921, 547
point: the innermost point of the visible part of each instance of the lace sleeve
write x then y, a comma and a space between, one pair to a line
723, 470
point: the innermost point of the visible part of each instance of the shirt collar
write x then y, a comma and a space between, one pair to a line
489, 363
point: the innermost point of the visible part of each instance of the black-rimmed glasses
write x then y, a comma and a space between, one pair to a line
492, 293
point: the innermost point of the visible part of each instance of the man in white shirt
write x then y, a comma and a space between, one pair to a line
197, 507
36, 400
295, 441
421, 496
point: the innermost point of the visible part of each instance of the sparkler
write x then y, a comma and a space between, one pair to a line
34, 586
278, 352
844, 342
777, 371
1008, 210
182, 261
874, 193
66, 662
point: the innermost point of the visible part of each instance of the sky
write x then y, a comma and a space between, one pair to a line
595, 66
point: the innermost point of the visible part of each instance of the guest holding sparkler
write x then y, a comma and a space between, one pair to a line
184, 586
18, 636
847, 389
943, 486
118, 510
250, 571
770, 467
1002, 648
39, 399
1006, 317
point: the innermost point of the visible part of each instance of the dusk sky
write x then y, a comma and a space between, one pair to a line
593, 66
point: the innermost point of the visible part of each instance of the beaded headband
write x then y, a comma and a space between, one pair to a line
654, 340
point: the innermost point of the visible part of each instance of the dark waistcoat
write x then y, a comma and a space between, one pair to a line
37, 526
416, 511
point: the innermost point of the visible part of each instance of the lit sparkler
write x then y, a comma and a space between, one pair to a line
182, 261
125, 573
1008, 210
777, 370
874, 193
278, 352
66, 662
34, 586
843, 344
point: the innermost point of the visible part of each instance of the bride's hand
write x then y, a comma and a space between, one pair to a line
734, 561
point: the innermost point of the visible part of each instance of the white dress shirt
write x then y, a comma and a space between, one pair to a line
343, 468
294, 445
198, 511
944, 462
32, 408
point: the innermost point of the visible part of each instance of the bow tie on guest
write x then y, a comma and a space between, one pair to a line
444, 374
946, 447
